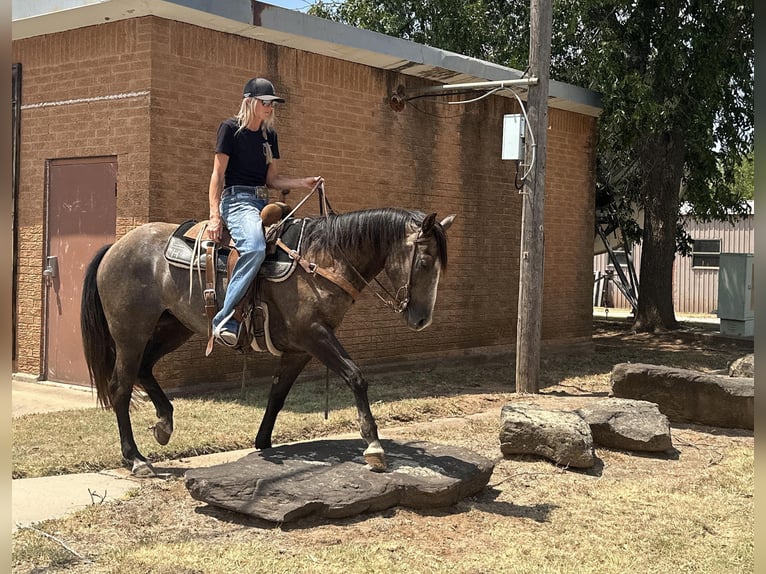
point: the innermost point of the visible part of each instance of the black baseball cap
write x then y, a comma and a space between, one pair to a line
262, 89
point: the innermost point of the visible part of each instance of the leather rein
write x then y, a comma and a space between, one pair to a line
397, 302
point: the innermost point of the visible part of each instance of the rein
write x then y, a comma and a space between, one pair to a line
397, 302
324, 206
310, 267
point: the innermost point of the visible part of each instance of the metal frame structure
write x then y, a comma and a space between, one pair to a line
606, 224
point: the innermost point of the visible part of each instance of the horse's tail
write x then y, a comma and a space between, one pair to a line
97, 341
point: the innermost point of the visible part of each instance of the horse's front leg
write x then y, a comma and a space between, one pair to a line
291, 365
324, 345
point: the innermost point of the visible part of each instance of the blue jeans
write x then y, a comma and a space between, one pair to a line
241, 212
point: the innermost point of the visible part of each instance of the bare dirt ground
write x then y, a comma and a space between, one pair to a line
690, 511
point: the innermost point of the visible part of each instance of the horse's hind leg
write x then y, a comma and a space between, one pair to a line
120, 393
290, 367
136, 351
168, 336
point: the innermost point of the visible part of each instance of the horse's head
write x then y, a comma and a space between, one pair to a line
417, 267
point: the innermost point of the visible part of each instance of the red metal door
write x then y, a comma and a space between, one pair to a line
82, 210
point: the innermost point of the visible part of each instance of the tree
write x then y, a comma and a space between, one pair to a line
744, 177
677, 85
469, 27
676, 79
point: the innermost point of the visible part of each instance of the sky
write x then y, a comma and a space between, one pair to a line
301, 5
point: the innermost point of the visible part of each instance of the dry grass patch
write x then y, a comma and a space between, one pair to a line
87, 440
690, 513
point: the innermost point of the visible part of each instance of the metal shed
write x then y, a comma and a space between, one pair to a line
695, 277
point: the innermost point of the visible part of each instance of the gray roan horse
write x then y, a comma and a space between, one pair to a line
136, 308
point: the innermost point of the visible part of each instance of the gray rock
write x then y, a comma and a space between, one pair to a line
627, 424
688, 396
743, 367
561, 436
329, 478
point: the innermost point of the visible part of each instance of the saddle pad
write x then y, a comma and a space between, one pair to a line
179, 250
278, 266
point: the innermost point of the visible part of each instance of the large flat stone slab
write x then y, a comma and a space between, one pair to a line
329, 478
688, 396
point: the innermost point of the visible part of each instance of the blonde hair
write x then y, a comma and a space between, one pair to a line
245, 116
246, 113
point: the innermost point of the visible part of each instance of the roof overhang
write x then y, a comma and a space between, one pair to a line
293, 29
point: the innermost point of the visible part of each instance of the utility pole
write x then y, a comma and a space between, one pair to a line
528, 328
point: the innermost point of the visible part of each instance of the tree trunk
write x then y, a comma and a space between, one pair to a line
663, 158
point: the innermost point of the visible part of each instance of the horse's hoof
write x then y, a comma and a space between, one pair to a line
376, 459
261, 445
162, 433
143, 469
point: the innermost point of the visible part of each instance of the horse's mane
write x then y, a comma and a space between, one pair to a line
377, 229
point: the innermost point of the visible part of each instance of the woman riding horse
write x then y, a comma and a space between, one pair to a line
245, 166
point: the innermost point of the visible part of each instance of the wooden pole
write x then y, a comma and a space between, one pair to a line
528, 328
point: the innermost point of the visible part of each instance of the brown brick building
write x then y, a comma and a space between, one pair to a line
130, 94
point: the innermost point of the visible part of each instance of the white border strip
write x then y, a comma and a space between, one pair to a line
86, 100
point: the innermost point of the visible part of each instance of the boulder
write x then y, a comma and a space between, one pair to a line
688, 396
329, 478
626, 424
561, 436
743, 367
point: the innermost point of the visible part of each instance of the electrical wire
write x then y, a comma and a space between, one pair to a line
533, 145
433, 115
485, 95
528, 129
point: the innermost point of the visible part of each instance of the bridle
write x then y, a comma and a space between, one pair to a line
398, 301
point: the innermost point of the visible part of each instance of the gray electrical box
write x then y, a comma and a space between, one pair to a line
736, 295
513, 137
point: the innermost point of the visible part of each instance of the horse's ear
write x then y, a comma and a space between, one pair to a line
428, 223
447, 221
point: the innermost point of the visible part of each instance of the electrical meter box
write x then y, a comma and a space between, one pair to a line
513, 136
736, 294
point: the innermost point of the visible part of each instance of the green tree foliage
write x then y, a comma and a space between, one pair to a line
744, 177
677, 85
676, 79
474, 28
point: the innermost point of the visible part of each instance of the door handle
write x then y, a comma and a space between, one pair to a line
51, 270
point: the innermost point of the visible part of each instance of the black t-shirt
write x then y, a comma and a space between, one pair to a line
247, 156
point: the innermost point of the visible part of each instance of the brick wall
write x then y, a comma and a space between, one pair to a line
337, 123
569, 216
110, 60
